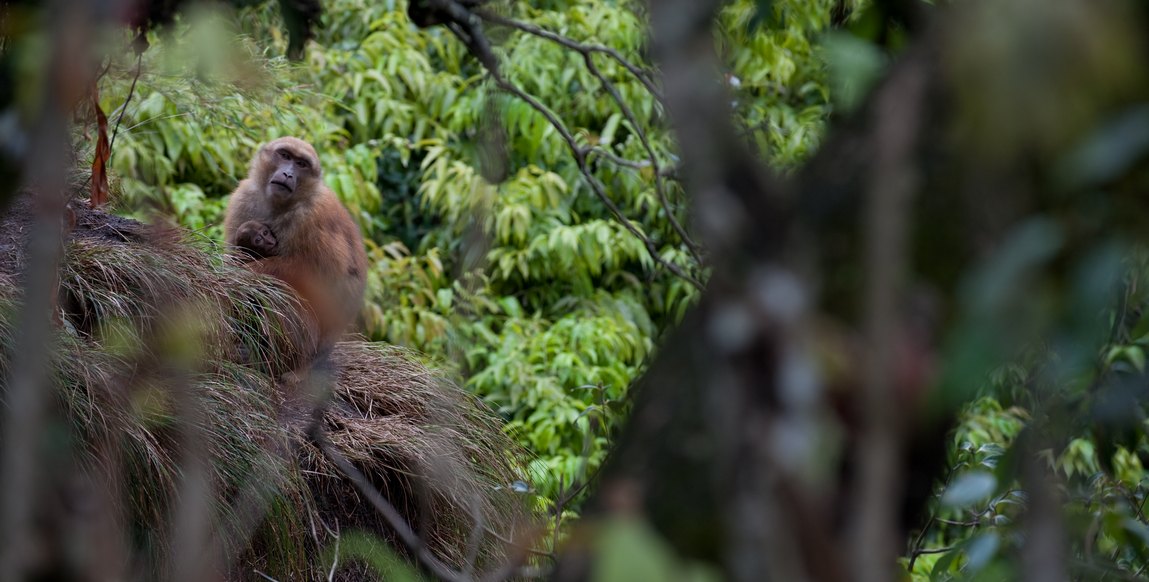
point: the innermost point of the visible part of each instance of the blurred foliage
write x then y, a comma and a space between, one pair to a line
551, 307
1099, 450
547, 302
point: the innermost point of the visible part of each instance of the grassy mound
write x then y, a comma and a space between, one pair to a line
165, 374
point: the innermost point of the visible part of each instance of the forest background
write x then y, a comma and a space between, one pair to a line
547, 300
554, 318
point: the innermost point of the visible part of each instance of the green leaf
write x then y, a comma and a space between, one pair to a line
968, 489
981, 550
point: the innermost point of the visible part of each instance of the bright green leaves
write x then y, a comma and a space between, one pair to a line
554, 303
777, 74
559, 380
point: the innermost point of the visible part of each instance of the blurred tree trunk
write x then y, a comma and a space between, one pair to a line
793, 426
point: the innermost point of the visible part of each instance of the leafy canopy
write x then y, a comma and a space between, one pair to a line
546, 300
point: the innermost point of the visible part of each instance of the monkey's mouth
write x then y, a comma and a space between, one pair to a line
282, 184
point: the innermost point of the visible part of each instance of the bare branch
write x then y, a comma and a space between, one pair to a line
124, 107
659, 187
580, 156
580, 152
621, 161
464, 21
388, 511
586, 49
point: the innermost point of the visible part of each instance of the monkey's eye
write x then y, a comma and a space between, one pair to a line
303, 164
283, 154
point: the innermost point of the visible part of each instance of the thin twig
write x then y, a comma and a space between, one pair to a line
643, 76
935, 550
580, 155
619, 160
124, 107
659, 186
916, 546
388, 511
957, 523
158, 118
588, 51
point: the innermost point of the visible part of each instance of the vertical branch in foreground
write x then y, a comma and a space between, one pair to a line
875, 530
26, 390
191, 520
734, 203
1043, 557
754, 366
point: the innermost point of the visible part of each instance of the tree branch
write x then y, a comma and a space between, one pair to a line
388, 511
580, 156
659, 187
586, 49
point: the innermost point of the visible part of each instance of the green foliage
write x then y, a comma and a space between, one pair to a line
550, 306
1097, 411
630, 550
782, 90
380, 558
544, 298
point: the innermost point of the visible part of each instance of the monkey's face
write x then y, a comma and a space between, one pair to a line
290, 168
262, 239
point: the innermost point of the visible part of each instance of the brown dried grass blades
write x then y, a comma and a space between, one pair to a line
153, 320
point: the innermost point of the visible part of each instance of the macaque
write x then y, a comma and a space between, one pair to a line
303, 234
255, 240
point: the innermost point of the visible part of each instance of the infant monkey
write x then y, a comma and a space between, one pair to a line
255, 240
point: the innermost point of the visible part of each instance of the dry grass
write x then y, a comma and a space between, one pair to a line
432, 449
154, 324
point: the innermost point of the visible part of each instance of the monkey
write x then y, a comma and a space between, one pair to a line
316, 246
255, 241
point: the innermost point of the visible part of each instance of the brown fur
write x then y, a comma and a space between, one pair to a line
256, 241
318, 248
